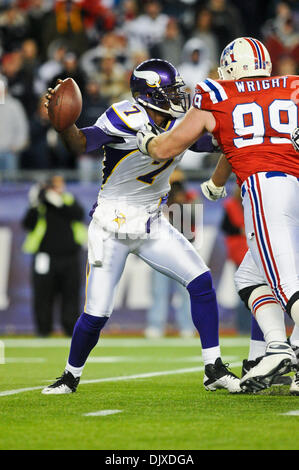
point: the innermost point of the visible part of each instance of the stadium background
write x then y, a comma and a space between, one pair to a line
98, 43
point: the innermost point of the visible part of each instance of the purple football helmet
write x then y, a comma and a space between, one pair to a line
156, 84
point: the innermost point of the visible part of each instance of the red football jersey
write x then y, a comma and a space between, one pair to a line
254, 119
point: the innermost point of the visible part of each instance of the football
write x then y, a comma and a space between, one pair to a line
66, 105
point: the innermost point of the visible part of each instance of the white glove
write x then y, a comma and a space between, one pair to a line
144, 136
295, 139
215, 145
211, 191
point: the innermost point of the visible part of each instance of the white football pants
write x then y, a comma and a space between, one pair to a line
271, 214
248, 274
164, 249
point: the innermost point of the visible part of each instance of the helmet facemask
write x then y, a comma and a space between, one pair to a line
171, 99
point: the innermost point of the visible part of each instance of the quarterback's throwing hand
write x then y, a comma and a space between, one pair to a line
144, 137
295, 139
211, 191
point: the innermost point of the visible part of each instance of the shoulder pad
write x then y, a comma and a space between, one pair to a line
123, 119
209, 93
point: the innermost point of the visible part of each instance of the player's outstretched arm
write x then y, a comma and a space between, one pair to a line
172, 143
73, 138
214, 188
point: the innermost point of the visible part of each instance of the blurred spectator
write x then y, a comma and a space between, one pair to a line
55, 237
13, 128
112, 43
51, 68
94, 104
38, 153
148, 29
171, 46
280, 12
128, 11
67, 24
137, 56
286, 65
203, 31
13, 27
19, 79
196, 63
70, 68
164, 288
226, 21
282, 38
30, 54
61, 156
98, 16
111, 77
232, 226
36, 15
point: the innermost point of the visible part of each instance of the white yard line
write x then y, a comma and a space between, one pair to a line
118, 342
103, 413
119, 378
25, 360
291, 413
146, 359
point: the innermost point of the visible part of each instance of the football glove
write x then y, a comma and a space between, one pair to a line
211, 191
215, 144
295, 139
144, 136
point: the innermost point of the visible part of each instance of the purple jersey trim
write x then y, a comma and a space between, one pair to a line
203, 144
118, 123
96, 138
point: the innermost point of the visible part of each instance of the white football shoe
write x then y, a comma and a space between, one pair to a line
278, 360
219, 376
294, 388
67, 383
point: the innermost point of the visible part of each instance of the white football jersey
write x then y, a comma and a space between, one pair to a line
128, 174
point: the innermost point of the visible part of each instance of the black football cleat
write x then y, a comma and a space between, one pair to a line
219, 376
67, 383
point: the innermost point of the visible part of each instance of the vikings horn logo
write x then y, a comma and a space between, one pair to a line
120, 219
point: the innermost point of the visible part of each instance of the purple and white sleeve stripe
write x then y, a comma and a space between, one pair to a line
96, 138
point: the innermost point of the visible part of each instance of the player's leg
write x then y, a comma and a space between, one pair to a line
271, 213
272, 236
247, 279
259, 299
169, 252
101, 285
181, 304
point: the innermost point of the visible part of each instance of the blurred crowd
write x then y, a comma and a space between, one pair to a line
99, 42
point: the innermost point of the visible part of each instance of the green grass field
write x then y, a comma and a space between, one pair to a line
156, 388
